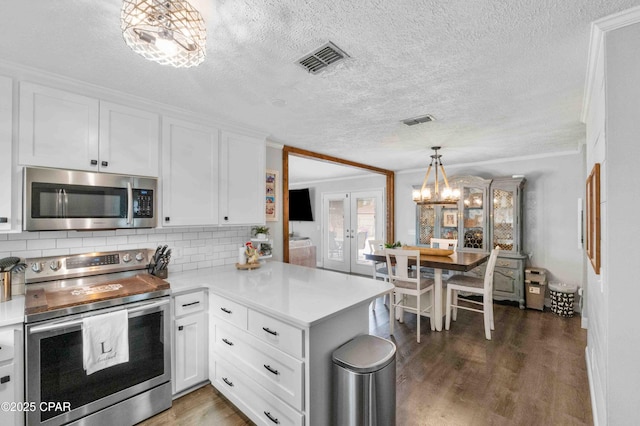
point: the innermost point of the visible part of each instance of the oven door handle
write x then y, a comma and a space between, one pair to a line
66, 324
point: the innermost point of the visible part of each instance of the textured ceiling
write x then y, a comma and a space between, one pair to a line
502, 78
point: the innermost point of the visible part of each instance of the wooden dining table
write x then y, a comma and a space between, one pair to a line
458, 261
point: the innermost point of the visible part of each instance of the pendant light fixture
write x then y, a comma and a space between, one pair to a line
423, 195
170, 32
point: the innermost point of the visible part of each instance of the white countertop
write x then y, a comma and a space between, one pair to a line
296, 294
12, 311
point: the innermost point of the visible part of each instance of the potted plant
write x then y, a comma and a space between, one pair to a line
260, 232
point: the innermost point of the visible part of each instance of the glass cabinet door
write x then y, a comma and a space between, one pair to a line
473, 227
426, 224
505, 217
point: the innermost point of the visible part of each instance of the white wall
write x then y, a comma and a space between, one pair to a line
554, 184
613, 337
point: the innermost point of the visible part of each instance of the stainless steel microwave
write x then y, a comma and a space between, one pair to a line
73, 200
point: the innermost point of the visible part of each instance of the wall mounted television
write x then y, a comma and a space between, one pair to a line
300, 205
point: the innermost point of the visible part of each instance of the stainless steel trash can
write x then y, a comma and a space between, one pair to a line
364, 382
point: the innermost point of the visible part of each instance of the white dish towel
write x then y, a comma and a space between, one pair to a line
105, 340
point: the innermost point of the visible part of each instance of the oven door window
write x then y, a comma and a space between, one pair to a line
51, 201
62, 378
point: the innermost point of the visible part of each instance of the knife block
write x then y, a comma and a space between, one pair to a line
163, 273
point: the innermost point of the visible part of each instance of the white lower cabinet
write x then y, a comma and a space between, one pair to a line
190, 359
11, 374
262, 376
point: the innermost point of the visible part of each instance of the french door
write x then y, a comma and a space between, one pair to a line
349, 221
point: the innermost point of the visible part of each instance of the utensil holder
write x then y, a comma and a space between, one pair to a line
5, 294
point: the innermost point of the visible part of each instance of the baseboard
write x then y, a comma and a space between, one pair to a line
594, 407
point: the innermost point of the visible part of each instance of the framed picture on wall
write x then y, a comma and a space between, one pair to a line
593, 218
272, 195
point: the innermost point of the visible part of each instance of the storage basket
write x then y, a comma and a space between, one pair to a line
562, 297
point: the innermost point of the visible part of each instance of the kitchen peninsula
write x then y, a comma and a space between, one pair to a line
272, 331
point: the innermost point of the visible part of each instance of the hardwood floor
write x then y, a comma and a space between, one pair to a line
532, 372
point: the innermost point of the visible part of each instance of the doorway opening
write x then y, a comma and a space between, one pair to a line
388, 202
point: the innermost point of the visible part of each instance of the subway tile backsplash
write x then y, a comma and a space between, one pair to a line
192, 248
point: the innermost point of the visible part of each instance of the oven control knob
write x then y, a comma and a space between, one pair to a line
126, 258
36, 267
54, 265
139, 257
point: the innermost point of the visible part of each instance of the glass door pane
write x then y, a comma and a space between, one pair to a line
366, 224
473, 216
335, 238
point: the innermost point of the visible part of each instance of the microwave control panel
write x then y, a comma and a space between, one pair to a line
142, 203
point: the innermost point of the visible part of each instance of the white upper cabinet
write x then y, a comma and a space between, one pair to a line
57, 128
65, 130
6, 96
242, 179
189, 174
129, 140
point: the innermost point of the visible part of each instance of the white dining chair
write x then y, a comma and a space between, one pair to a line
474, 285
407, 283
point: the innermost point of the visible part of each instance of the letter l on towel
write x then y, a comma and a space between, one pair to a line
105, 340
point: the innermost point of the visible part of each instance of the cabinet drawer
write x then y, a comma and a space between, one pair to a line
229, 311
507, 263
264, 408
7, 344
276, 371
189, 303
283, 336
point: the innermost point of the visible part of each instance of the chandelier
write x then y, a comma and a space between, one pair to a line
170, 32
423, 195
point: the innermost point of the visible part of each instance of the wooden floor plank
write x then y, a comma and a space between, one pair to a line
532, 372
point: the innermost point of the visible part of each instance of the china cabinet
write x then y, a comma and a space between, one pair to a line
488, 215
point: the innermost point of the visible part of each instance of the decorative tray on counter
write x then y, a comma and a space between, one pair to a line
248, 266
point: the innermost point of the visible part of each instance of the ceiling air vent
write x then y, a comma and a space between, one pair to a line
322, 57
417, 120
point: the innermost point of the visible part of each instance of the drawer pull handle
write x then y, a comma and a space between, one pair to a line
227, 342
190, 304
270, 417
5, 379
275, 333
271, 370
181, 328
225, 310
227, 381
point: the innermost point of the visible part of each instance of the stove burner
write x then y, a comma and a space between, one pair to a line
84, 291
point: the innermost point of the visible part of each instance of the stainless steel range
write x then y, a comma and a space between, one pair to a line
61, 292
